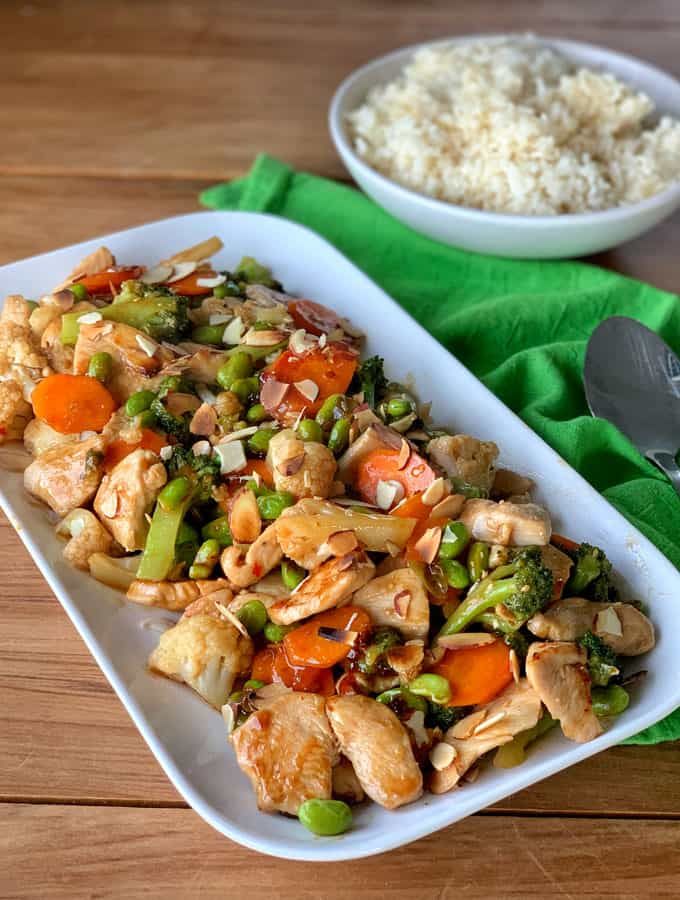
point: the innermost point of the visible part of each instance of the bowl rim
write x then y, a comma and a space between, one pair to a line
343, 145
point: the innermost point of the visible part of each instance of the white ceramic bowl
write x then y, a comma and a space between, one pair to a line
504, 234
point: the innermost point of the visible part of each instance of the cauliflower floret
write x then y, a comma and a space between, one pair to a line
206, 653
87, 536
15, 412
304, 469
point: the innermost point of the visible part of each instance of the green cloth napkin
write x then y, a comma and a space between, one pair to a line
521, 327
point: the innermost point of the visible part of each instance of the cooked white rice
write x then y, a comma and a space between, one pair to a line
511, 126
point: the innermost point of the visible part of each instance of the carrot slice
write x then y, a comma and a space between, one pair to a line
119, 449
108, 280
304, 645
313, 317
189, 286
476, 674
71, 403
259, 467
564, 543
271, 666
382, 464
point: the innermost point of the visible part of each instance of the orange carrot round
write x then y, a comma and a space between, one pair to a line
72, 403
314, 317
102, 282
383, 464
304, 645
189, 286
119, 449
476, 674
271, 666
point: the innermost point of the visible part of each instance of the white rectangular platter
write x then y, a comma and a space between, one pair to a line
185, 735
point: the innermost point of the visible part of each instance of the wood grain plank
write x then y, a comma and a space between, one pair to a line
185, 91
111, 853
64, 736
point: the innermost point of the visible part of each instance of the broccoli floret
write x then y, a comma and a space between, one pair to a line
381, 641
522, 587
177, 426
250, 270
591, 574
203, 470
370, 379
602, 661
444, 717
156, 311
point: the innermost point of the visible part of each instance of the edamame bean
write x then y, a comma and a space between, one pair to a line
245, 388
325, 817
338, 439
454, 540
253, 614
478, 560
456, 574
397, 408
100, 366
276, 633
433, 687
79, 291
609, 701
273, 503
208, 334
309, 430
138, 402
220, 291
413, 701
327, 413
259, 442
199, 572
253, 684
146, 419
208, 553
219, 530
256, 414
174, 492
292, 574
240, 365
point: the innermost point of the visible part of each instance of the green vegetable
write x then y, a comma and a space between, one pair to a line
523, 586
219, 530
206, 559
100, 366
146, 419
469, 491
515, 751
609, 701
325, 817
175, 492
79, 291
221, 291
250, 270
159, 552
174, 384
401, 694
478, 560
202, 471
383, 638
603, 664
444, 717
331, 409
434, 688
253, 614
238, 365
455, 539
309, 430
370, 380
258, 443
138, 402
178, 426
398, 407
276, 633
246, 388
591, 574
208, 334
253, 684
256, 414
186, 544
272, 503
338, 439
456, 573
292, 574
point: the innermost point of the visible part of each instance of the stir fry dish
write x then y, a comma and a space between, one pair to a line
373, 605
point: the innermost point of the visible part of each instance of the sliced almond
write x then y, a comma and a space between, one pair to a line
322, 341
365, 417
442, 755
450, 507
146, 345
273, 393
427, 546
490, 722
402, 602
466, 727
608, 622
345, 562
204, 420
109, 505
514, 666
388, 493
342, 542
213, 282
156, 275
299, 343
90, 318
403, 425
179, 403
291, 465
465, 639
219, 318
268, 338
471, 775
228, 717
197, 252
238, 435
229, 616
435, 493
308, 388
232, 457
201, 448
232, 333
244, 519
181, 270
166, 452
404, 454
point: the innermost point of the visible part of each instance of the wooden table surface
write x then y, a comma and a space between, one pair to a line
117, 113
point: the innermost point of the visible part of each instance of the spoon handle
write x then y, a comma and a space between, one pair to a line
666, 462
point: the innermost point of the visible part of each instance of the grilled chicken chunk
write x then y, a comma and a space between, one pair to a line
378, 746
557, 672
59, 356
517, 709
206, 653
260, 558
304, 469
332, 584
397, 599
465, 458
22, 363
516, 524
346, 785
627, 631
39, 436
507, 483
176, 595
127, 494
287, 750
66, 477
558, 563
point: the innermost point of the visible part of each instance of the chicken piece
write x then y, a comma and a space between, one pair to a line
86, 536
260, 558
304, 469
201, 366
206, 653
465, 458
558, 563
133, 368
373, 438
629, 632
378, 746
517, 709
127, 494
407, 660
331, 585
15, 411
121, 427
287, 751
516, 524
39, 436
66, 477
557, 672
176, 595
397, 599
204, 421
214, 602
97, 261
346, 785
59, 356
507, 483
